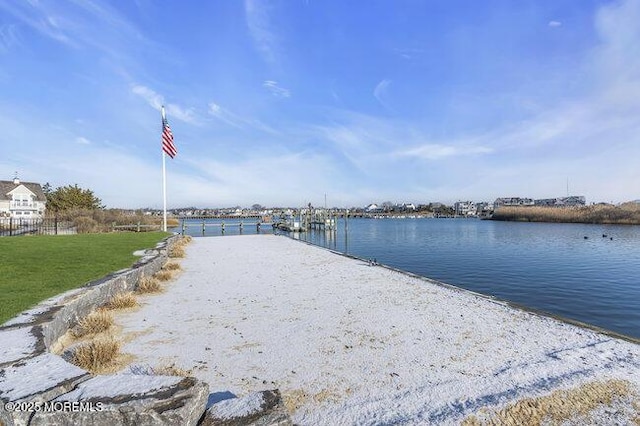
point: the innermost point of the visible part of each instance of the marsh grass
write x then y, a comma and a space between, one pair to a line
98, 321
624, 214
122, 301
97, 355
163, 275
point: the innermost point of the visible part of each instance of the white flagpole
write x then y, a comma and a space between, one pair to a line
164, 181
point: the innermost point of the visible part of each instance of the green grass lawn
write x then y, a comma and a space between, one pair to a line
35, 268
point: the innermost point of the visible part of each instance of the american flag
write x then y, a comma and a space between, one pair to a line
167, 140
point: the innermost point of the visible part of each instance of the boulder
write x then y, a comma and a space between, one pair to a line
35, 381
264, 408
130, 399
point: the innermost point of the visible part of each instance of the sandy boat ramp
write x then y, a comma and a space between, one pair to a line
349, 343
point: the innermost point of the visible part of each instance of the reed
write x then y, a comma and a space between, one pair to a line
624, 214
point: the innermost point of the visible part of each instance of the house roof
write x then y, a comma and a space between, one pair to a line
7, 186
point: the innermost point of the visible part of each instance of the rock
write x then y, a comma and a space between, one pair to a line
263, 408
36, 380
23, 342
130, 399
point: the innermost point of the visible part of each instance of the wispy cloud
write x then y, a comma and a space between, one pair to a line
409, 53
380, 91
156, 101
260, 28
8, 37
436, 151
554, 24
220, 113
83, 141
276, 90
232, 119
42, 18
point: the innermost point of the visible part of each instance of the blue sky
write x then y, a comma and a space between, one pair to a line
282, 102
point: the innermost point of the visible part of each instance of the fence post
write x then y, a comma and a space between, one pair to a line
183, 226
55, 225
203, 226
138, 229
10, 225
113, 227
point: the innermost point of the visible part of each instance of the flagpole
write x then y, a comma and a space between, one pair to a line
164, 184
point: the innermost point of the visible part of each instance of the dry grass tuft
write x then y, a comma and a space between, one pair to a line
171, 370
558, 407
163, 275
177, 251
97, 355
172, 266
96, 322
122, 301
149, 285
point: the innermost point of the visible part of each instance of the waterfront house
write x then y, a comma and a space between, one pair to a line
465, 208
571, 201
21, 199
512, 201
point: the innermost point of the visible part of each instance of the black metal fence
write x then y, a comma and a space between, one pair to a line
10, 226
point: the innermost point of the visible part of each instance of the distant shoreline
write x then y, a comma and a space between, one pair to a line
624, 214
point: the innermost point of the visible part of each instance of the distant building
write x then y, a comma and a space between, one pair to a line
372, 208
562, 201
22, 199
465, 208
512, 201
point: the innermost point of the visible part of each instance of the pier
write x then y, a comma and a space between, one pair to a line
241, 222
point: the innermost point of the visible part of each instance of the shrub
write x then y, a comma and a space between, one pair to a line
85, 225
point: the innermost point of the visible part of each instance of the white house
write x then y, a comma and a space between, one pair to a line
21, 199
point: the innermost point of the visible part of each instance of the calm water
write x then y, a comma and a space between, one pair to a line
551, 267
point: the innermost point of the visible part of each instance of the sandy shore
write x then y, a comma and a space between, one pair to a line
349, 343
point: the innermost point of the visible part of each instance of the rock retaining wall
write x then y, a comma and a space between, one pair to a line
38, 387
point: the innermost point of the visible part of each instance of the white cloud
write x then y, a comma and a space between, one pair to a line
276, 90
380, 91
554, 24
260, 29
156, 101
83, 141
237, 121
218, 112
437, 151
